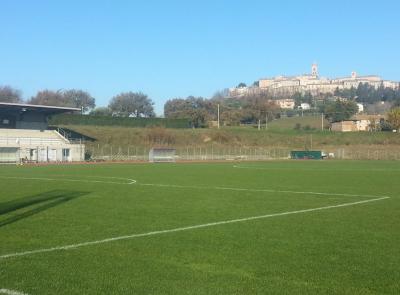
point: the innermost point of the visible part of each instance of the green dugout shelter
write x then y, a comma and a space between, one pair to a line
313, 155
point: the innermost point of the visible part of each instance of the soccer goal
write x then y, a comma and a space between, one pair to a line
157, 155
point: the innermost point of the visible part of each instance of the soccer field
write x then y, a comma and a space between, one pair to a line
306, 227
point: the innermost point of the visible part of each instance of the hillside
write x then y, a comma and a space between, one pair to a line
280, 133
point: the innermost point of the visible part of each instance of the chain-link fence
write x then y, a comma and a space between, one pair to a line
110, 153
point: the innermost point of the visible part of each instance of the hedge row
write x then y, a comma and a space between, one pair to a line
73, 119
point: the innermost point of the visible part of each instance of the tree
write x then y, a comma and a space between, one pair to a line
72, 98
258, 108
10, 95
50, 98
394, 118
220, 95
79, 99
101, 111
340, 110
132, 104
197, 109
241, 85
300, 98
396, 103
231, 116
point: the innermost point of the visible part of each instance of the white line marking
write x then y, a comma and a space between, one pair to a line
179, 229
259, 190
311, 169
129, 181
11, 292
132, 181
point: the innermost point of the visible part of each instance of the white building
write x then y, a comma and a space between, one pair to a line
305, 106
25, 137
360, 107
285, 103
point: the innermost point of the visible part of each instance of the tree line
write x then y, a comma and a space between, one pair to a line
233, 111
338, 106
366, 93
125, 104
249, 109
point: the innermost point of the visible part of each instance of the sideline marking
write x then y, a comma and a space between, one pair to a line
11, 292
179, 229
130, 181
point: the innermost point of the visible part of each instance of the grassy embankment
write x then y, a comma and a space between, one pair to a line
280, 134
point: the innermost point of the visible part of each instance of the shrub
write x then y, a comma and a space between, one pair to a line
297, 126
159, 136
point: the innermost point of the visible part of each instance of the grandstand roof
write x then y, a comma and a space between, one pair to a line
48, 110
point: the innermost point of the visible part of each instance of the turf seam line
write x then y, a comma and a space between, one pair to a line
11, 292
179, 229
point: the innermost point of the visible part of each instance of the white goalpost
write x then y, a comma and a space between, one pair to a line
160, 155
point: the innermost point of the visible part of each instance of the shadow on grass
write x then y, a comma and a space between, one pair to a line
31, 205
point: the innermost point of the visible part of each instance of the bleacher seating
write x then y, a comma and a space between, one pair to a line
24, 137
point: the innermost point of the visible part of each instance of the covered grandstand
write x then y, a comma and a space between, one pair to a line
25, 136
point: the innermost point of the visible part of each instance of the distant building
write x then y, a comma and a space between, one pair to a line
285, 103
358, 123
25, 135
344, 126
360, 108
368, 122
313, 83
305, 106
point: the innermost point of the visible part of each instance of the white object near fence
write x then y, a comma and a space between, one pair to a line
162, 155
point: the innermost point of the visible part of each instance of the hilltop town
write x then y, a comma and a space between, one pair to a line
311, 83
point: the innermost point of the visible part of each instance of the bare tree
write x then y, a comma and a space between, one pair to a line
79, 99
50, 98
10, 95
69, 98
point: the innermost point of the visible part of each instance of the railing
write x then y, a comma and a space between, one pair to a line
22, 141
63, 133
109, 153
189, 154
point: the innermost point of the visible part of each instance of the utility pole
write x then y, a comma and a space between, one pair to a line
266, 121
322, 121
218, 116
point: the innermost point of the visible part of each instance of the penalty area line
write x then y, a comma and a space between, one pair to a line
186, 228
130, 181
258, 190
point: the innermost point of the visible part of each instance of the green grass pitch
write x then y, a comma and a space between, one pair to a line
321, 227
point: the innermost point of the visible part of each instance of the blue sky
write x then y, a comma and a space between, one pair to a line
170, 49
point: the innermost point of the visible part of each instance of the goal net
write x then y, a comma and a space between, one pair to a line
162, 155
